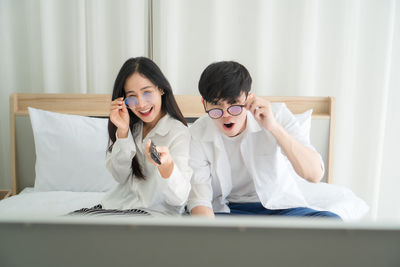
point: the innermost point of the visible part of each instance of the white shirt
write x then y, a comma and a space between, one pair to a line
156, 195
277, 184
243, 189
270, 170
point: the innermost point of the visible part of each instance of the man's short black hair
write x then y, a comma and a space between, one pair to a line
225, 80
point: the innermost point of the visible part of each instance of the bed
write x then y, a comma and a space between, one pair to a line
95, 105
58, 144
36, 210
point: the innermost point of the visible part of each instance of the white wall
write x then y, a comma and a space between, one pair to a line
348, 49
64, 47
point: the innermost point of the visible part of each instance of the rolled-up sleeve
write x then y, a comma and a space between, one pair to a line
300, 132
176, 188
201, 193
119, 160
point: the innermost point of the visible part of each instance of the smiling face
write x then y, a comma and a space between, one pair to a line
143, 98
228, 124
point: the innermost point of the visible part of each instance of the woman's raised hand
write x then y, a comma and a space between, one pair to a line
120, 117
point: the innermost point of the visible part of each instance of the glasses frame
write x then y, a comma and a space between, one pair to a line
149, 100
222, 111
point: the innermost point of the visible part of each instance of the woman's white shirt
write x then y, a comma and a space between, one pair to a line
155, 194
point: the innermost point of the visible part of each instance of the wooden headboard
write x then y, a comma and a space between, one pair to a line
98, 105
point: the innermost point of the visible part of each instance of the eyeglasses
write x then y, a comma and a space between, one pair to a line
217, 113
133, 101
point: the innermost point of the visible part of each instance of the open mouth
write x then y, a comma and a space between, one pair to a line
228, 125
146, 112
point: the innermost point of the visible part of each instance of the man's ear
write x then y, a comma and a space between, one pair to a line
203, 101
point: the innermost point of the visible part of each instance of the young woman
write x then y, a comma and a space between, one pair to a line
143, 110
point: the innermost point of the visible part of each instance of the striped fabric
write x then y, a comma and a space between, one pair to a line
99, 211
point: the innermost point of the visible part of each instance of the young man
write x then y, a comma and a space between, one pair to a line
241, 151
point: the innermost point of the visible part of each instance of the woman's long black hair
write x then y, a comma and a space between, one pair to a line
152, 72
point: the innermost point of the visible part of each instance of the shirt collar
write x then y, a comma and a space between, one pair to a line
252, 125
162, 127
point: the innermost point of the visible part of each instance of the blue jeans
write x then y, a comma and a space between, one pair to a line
256, 208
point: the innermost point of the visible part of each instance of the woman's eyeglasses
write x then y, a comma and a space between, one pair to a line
133, 101
216, 113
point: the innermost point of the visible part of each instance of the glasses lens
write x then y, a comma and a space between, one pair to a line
215, 113
235, 110
131, 101
147, 96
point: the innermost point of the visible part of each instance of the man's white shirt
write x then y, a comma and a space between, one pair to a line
269, 169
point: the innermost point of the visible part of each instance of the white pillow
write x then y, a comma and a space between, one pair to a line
70, 152
304, 120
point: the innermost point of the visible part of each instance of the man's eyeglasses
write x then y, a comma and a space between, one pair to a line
216, 113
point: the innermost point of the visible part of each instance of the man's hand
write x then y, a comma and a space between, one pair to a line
261, 110
202, 211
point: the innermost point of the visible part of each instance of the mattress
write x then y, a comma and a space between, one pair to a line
32, 203
54, 203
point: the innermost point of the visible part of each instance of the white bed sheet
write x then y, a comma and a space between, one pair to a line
53, 203
31, 203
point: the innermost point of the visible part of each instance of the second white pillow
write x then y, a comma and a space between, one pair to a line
70, 152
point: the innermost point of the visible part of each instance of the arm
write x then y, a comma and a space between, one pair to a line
202, 211
305, 161
201, 194
119, 160
174, 169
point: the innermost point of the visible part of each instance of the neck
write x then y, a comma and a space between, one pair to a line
148, 126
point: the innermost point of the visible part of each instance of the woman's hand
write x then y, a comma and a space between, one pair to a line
167, 163
120, 117
261, 110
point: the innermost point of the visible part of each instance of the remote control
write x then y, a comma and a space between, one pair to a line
155, 155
